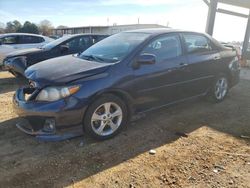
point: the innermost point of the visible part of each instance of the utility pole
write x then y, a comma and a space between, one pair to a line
211, 16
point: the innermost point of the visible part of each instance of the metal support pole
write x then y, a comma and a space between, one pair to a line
211, 16
246, 39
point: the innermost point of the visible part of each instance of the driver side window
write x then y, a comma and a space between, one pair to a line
73, 44
164, 48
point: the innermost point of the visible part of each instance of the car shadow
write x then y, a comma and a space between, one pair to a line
63, 163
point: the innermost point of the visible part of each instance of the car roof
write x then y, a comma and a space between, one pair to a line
86, 34
157, 31
29, 34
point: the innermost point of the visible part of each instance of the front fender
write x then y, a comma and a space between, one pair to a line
125, 96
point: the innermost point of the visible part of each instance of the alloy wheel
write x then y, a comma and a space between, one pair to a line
221, 88
106, 119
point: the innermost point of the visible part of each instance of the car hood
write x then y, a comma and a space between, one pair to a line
25, 52
63, 69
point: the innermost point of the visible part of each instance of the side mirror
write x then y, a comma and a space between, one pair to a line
64, 48
146, 59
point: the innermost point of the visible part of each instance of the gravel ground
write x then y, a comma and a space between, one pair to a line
196, 144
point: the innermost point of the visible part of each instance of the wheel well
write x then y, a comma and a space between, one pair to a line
228, 75
122, 95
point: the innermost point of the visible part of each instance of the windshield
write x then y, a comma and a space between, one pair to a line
55, 42
114, 48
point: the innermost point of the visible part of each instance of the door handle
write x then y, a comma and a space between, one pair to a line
217, 57
183, 64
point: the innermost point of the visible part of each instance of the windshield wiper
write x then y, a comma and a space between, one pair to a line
92, 57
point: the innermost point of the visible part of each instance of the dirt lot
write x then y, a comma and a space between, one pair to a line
211, 154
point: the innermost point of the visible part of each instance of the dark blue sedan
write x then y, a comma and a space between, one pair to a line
120, 76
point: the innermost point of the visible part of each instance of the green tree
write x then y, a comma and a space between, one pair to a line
2, 26
29, 27
13, 27
17, 25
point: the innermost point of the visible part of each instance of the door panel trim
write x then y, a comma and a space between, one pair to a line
177, 83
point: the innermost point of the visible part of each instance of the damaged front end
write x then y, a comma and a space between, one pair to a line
45, 120
15, 64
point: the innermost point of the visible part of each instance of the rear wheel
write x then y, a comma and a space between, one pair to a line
105, 117
220, 88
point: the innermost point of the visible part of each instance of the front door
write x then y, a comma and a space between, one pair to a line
160, 83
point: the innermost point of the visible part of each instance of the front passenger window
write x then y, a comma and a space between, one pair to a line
85, 42
166, 47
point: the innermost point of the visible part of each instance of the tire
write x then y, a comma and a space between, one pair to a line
220, 88
105, 117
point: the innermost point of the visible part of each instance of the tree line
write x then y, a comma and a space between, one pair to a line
45, 27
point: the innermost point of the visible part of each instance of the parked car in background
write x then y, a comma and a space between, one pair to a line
125, 74
237, 48
24, 40
18, 61
55, 36
11, 42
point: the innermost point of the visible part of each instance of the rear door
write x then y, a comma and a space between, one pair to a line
27, 41
202, 56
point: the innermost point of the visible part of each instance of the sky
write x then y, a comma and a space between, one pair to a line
178, 14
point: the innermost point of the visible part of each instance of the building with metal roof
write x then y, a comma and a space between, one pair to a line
212, 10
104, 29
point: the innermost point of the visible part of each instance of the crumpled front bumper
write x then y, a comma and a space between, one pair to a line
59, 135
49, 121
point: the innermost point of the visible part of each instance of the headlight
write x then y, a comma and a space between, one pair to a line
56, 93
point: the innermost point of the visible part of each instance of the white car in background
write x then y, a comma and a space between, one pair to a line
10, 42
23, 40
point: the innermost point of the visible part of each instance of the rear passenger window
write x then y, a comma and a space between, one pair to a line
196, 43
31, 39
39, 39
164, 48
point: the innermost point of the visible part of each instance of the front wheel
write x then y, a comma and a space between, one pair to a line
220, 88
105, 117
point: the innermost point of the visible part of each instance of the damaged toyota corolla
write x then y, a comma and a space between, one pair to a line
128, 73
